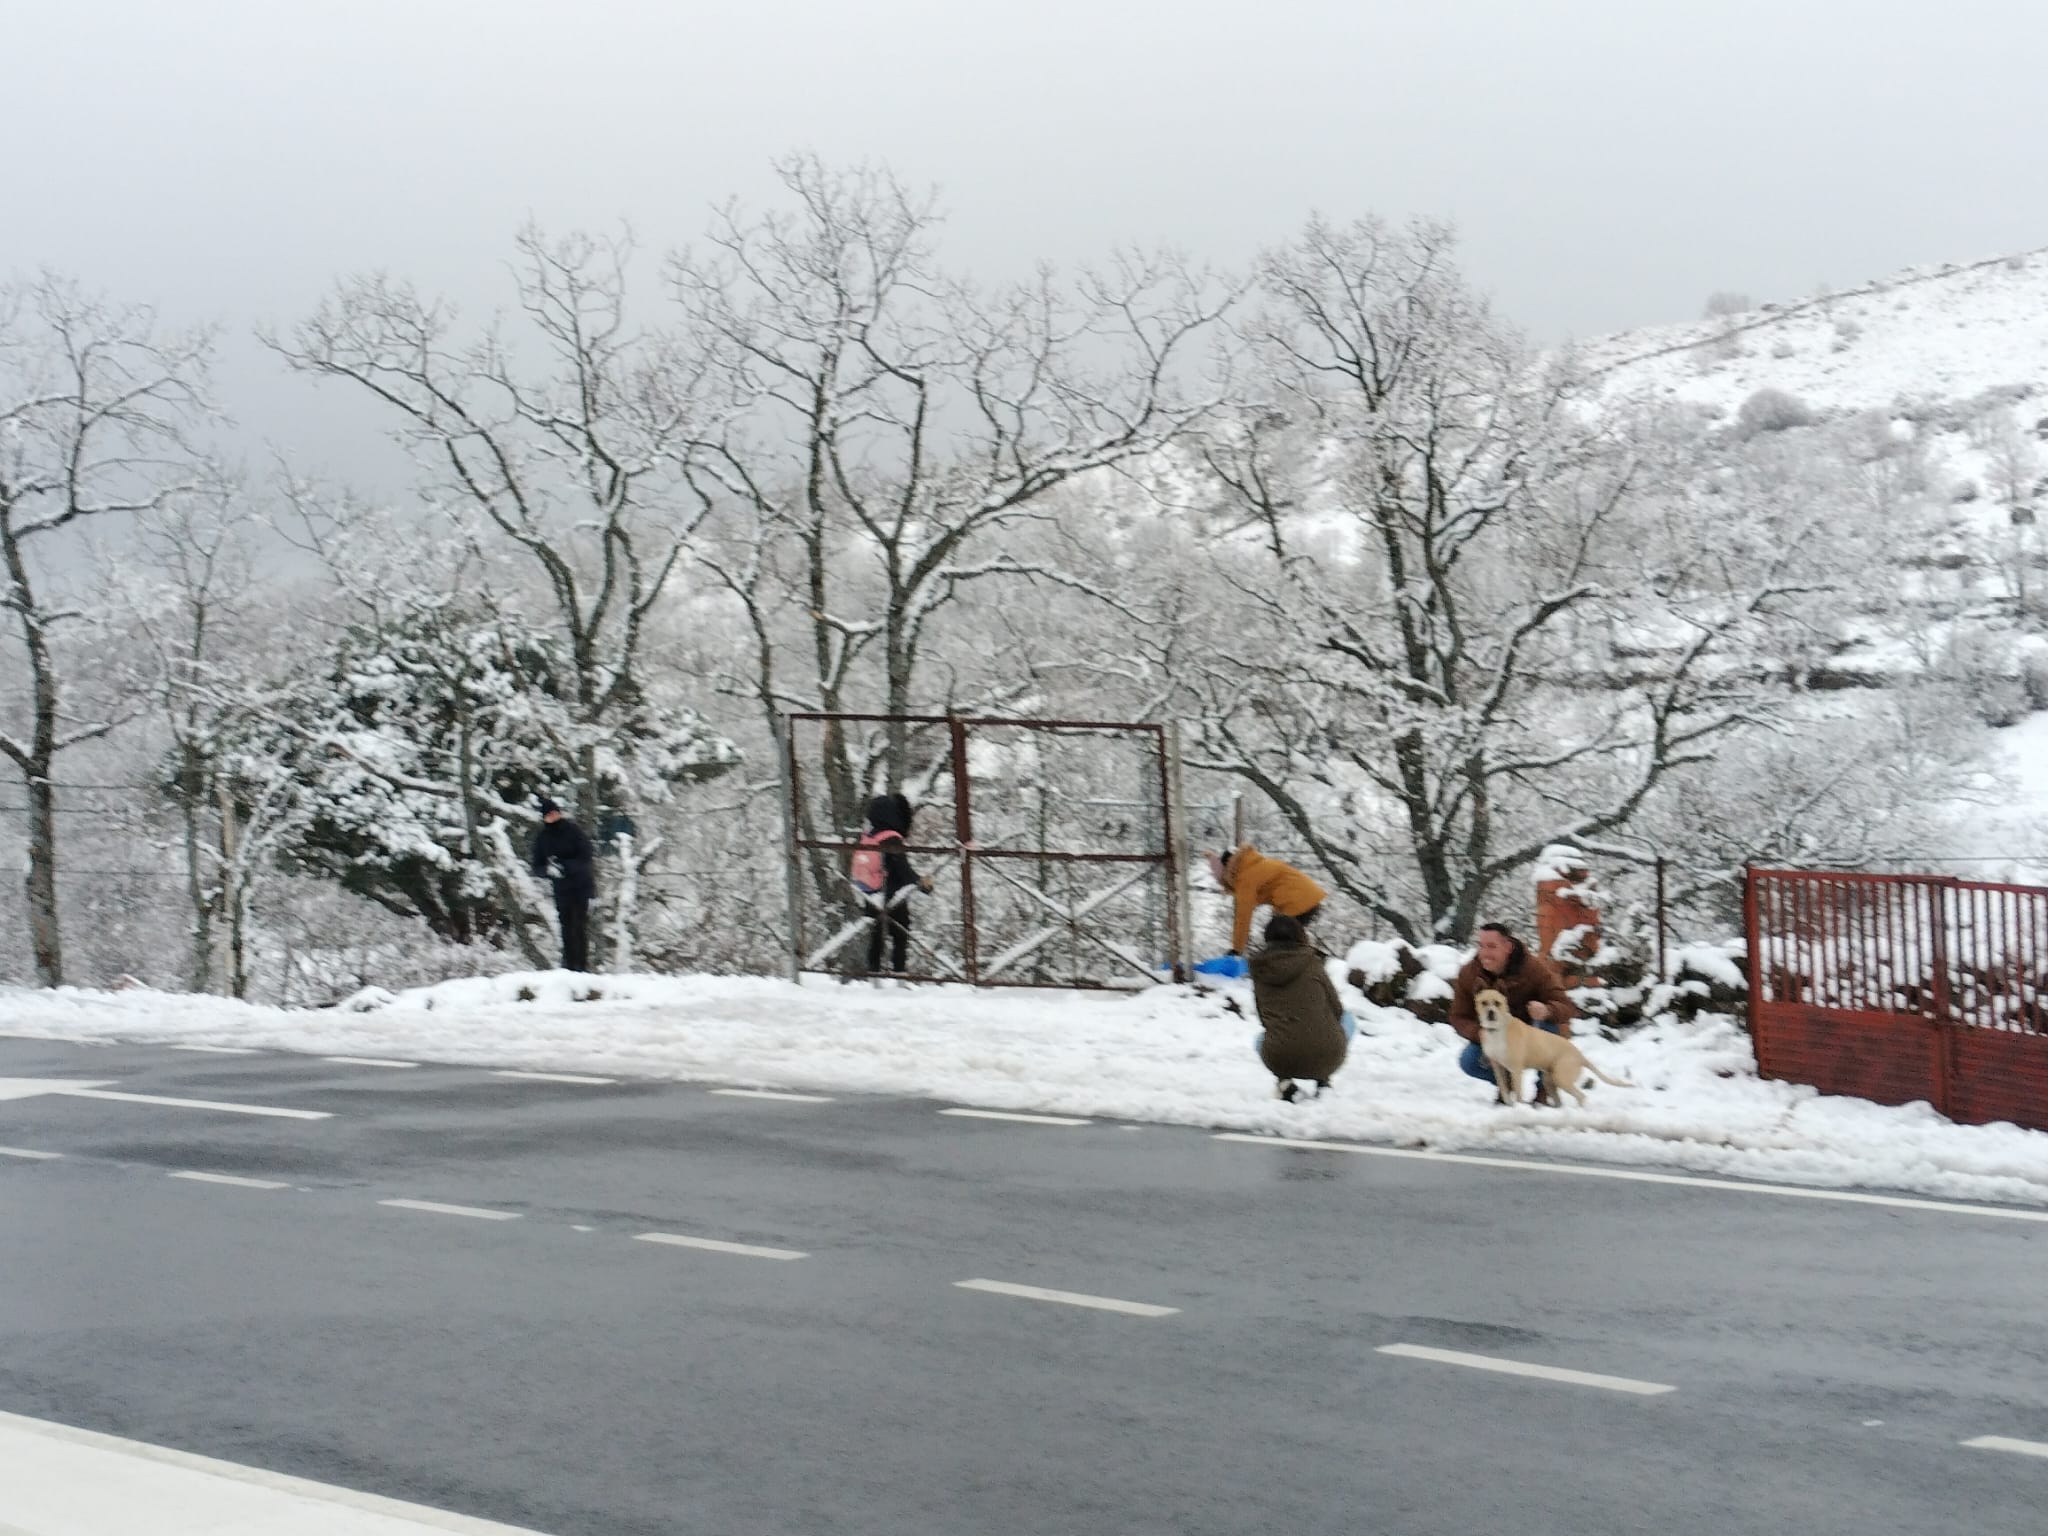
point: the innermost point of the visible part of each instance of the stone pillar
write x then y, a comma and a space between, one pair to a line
1567, 908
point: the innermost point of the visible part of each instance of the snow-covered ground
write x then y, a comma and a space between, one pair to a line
1165, 1055
2003, 831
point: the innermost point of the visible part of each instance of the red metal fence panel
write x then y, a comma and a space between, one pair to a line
1903, 987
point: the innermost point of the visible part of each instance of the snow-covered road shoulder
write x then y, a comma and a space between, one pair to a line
1168, 1055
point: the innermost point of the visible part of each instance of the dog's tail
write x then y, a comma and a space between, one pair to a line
1612, 1082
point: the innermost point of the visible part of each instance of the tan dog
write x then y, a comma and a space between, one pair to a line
1514, 1047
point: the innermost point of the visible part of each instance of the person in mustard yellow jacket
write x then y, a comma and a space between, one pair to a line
1255, 881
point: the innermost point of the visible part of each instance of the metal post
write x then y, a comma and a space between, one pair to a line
1663, 964
963, 834
1236, 818
1180, 929
1753, 933
786, 751
1939, 890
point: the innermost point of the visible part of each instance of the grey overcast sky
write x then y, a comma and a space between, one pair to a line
1609, 162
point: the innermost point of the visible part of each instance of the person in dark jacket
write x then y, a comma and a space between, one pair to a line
1307, 1031
562, 854
1534, 991
888, 830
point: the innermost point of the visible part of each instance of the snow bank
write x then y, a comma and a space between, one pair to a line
1166, 1055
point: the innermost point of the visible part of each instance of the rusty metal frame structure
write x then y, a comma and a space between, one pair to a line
973, 863
1902, 987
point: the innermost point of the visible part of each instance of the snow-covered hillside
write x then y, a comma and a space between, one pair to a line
1947, 333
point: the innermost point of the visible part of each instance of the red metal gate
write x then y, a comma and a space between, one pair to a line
1903, 987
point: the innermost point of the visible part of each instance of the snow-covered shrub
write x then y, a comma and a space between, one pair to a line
2001, 701
2034, 678
1705, 978
1772, 410
1990, 676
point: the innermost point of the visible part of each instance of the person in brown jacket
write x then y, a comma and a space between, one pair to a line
1306, 1030
1255, 880
1534, 991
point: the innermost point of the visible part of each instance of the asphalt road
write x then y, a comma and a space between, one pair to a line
552, 1369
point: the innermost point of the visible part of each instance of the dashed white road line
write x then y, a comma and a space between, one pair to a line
1003, 1114
221, 1050
768, 1093
716, 1245
31, 1154
232, 1109
2007, 1443
435, 1208
1524, 1368
236, 1179
1067, 1298
1629, 1175
557, 1077
368, 1061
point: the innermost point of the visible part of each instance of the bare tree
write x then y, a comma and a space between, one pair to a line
892, 419
195, 601
565, 445
1453, 644
97, 402
2015, 464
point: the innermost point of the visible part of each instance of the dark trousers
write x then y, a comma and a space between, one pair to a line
892, 923
573, 912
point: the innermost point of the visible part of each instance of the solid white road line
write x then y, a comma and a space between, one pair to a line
231, 1178
40, 1157
1740, 1186
781, 1098
714, 1245
221, 1050
368, 1061
437, 1209
1066, 1298
557, 1077
1523, 1368
62, 1481
1001, 1114
2006, 1443
232, 1109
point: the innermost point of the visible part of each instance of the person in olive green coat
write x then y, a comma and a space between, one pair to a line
1307, 1030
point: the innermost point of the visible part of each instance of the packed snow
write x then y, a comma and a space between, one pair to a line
1168, 1055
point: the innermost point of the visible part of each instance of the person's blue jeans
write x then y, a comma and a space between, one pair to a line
1350, 1032
1472, 1060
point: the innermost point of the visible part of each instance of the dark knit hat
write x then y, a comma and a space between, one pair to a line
547, 806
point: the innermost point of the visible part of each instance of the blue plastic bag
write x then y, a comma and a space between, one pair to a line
1223, 965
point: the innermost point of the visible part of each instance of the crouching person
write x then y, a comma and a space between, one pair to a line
1535, 995
1306, 1029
